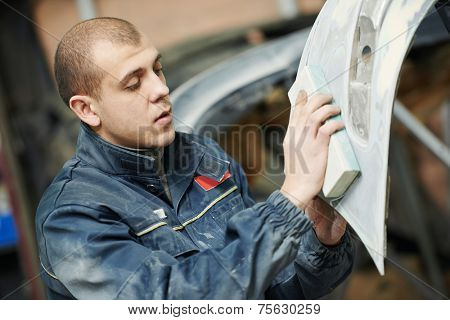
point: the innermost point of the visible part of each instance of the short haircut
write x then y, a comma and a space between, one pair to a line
75, 71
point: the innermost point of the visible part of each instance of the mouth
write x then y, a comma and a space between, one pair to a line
164, 118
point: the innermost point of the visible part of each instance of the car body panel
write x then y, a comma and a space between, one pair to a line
360, 46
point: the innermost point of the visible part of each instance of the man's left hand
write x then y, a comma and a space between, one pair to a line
328, 223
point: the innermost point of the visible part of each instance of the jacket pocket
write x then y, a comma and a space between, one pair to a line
212, 211
155, 233
160, 236
226, 209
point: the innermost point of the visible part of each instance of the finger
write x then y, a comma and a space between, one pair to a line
319, 116
317, 100
302, 98
300, 102
326, 130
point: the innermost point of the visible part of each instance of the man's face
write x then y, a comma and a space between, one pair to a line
134, 106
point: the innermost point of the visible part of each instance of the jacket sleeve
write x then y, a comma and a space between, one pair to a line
94, 255
317, 269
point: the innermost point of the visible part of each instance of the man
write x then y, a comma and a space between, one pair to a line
144, 212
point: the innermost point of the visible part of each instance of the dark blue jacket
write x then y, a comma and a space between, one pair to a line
105, 231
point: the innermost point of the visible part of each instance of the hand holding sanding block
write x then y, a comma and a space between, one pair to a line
342, 168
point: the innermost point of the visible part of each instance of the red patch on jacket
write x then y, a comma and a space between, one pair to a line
208, 183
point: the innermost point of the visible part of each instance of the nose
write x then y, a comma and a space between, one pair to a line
158, 89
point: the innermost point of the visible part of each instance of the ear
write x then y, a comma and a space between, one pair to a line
84, 108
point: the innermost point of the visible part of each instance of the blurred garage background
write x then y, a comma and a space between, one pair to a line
38, 132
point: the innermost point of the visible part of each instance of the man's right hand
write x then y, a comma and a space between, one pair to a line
306, 147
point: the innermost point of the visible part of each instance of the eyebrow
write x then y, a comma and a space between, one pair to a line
136, 72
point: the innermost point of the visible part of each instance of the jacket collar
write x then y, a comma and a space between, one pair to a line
111, 158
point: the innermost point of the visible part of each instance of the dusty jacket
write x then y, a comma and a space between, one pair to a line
104, 230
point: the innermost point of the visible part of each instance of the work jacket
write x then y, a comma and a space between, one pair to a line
106, 230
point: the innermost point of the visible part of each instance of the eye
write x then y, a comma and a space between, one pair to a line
158, 70
134, 84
